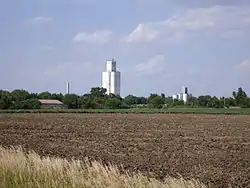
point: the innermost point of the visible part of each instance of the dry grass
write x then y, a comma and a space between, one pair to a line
213, 149
21, 169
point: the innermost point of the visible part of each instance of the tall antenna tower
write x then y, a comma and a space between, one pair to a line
67, 90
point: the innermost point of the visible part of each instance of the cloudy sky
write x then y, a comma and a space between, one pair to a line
159, 45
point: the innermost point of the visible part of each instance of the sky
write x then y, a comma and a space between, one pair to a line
159, 45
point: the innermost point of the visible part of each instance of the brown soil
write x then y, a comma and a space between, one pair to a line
212, 148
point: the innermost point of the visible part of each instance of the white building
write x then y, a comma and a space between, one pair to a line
179, 96
184, 90
185, 97
182, 96
111, 79
175, 97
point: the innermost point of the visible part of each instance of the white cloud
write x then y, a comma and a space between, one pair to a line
98, 37
244, 64
152, 66
39, 20
142, 33
218, 20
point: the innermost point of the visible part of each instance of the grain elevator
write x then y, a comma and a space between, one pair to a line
111, 78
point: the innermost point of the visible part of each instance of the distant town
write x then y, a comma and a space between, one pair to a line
108, 97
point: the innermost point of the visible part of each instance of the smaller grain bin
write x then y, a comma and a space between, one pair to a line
179, 96
185, 97
175, 97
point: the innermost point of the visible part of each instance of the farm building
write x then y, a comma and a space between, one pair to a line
45, 103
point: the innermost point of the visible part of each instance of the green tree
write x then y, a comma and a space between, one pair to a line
88, 102
98, 102
234, 95
130, 100
179, 103
19, 95
33, 96
98, 92
56, 96
169, 101
156, 101
30, 104
215, 102
241, 98
96, 98
193, 102
5, 99
83, 100
44, 95
113, 103
142, 100
71, 100
230, 101
204, 101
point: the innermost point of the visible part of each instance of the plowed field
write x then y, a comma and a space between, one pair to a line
212, 148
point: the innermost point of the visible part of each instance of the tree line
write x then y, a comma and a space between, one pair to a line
97, 99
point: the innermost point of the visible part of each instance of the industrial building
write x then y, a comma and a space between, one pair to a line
183, 95
111, 78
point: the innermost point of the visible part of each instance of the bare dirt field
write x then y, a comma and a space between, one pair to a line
214, 149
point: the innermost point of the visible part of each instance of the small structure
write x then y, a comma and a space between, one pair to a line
46, 103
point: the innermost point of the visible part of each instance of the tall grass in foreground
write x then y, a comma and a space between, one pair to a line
20, 169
